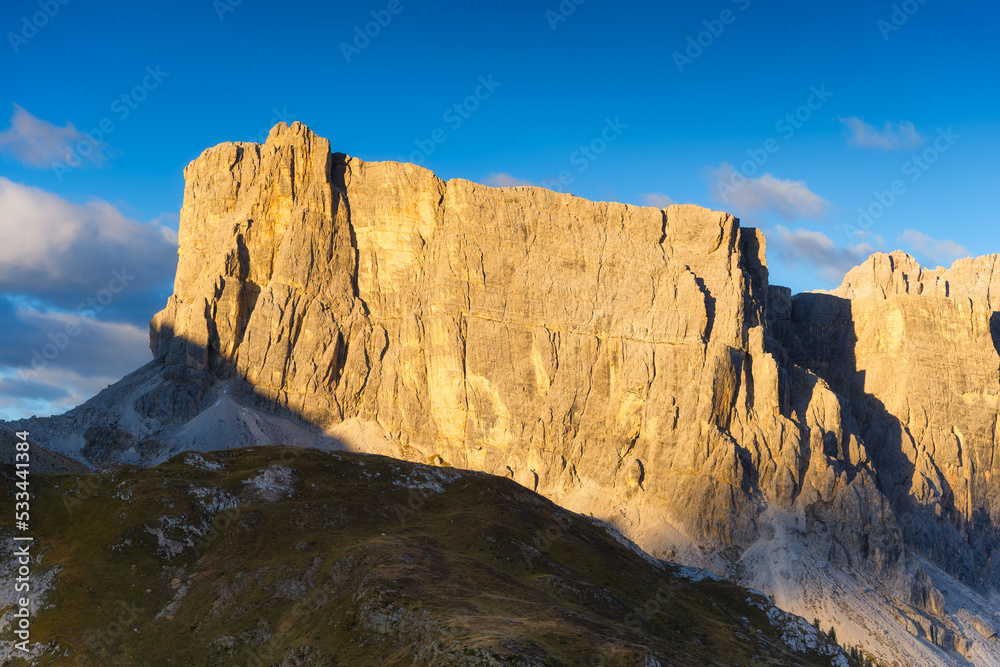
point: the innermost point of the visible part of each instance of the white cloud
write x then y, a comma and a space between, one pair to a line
51, 245
816, 249
790, 200
657, 199
51, 362
504, 180
78, 283
79, 343
26, 393
934, 252
38, 143
892, 136
876, 239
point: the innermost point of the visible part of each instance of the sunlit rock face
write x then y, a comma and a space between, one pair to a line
613, 357
628, 362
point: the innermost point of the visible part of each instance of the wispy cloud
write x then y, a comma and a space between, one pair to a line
26, 393
44, 370
816, 249
657, 199
892, 136
54, 247
935, 252
504, 180
38, 143
791, 200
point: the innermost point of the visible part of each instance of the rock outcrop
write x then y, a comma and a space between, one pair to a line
614, 358
915, 352
627, 362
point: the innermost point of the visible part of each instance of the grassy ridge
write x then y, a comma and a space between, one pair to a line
300, 557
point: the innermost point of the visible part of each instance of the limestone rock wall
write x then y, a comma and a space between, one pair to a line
915, 353
884, 275
629, 362
615, 358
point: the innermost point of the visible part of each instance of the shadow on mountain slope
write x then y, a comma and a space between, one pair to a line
278, 555
823, 340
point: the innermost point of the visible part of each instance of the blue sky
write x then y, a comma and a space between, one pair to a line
641, 102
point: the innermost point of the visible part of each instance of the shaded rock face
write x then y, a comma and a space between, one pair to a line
914, 352
614, 358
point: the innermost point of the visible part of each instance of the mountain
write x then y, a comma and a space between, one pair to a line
282, 555
835, 451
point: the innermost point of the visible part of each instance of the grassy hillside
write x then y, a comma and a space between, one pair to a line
299, 557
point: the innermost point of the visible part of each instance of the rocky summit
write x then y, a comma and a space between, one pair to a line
837, 451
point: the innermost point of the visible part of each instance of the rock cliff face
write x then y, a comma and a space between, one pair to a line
914, 352
835, 450
614, 358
